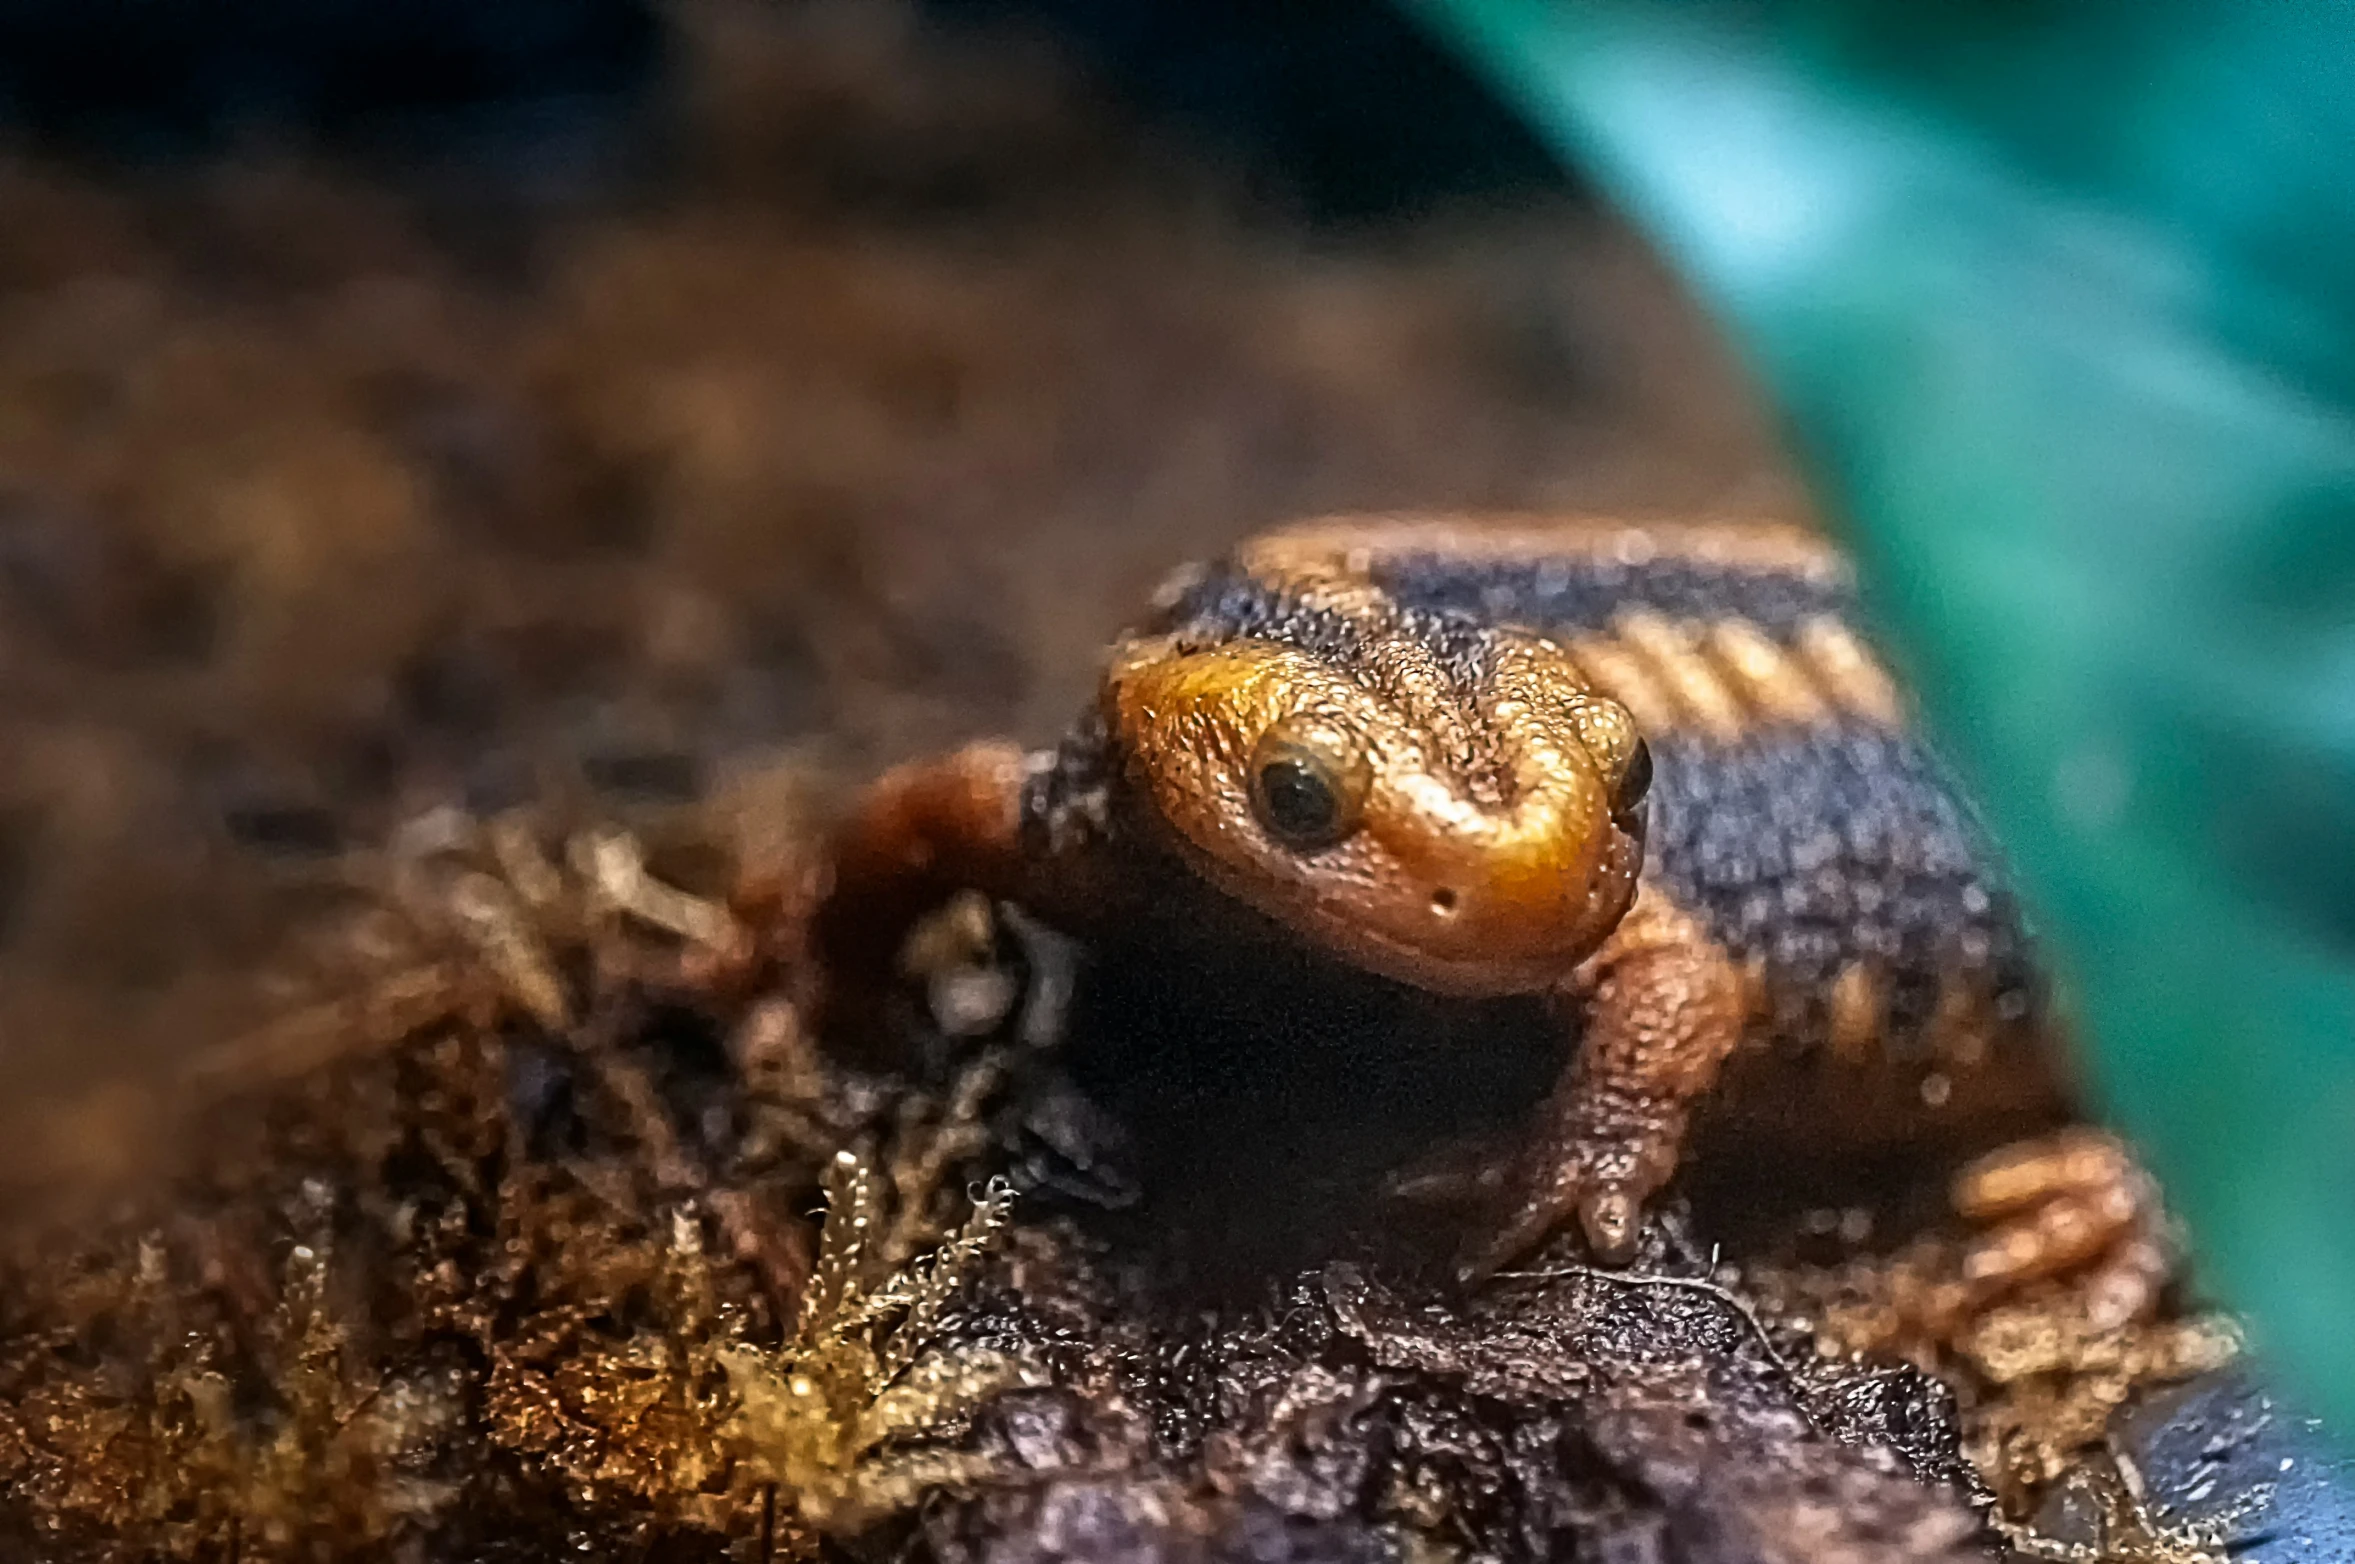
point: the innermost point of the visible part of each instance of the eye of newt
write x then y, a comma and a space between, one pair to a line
1308, 785
1635, 784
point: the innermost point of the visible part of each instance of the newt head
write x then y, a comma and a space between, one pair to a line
1473, 826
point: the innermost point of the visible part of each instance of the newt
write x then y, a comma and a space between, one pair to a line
1655, 772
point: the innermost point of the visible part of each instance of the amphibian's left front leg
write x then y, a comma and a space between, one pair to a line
1661, 1006
918, 834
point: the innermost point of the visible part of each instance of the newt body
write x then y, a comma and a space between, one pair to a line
1653, 772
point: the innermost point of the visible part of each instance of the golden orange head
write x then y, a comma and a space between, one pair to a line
1474, 838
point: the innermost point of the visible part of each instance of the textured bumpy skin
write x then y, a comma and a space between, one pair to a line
1820, 842
1815, 847
1819, 952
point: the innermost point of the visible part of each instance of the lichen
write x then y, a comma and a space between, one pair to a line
472, 1268
854, 1418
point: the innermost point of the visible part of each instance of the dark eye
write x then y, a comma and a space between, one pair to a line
1634, 783
1307, 787
1298, 801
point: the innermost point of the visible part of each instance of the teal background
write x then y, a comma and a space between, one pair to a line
2059, 305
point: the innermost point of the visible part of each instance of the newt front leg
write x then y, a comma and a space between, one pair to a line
918, 834
1660, 1007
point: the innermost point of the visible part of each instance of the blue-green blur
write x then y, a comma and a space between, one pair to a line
2059, 304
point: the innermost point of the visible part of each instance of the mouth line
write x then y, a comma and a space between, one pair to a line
1468, 975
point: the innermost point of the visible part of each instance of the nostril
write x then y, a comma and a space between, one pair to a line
1443, 902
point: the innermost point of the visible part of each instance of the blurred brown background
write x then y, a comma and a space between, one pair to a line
839, 405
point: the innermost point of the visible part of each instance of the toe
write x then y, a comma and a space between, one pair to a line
1610, 1218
